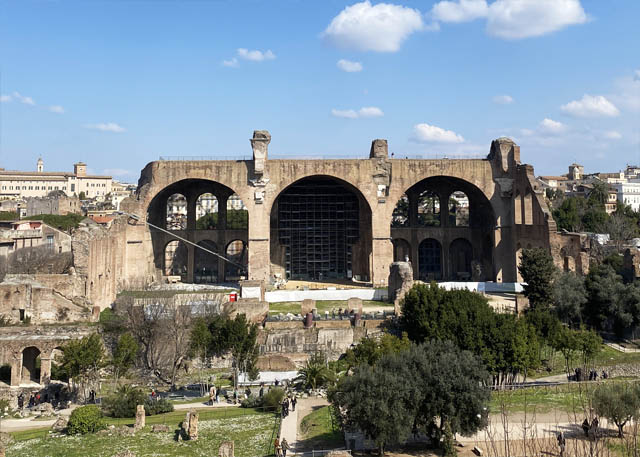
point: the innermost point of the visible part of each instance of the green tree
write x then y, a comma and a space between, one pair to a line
82, 195
379, 401
569, 215
124, 355
200, 342
432, 388
506, 346
369, 350
124, 401
82, 360
603, 309
237, 336
569, 297
618, 401
207, 222
537, 271
567, 343
314, 373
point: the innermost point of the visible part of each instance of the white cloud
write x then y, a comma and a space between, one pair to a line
255, 55
370, 111
23, 99
591, 106
365, 27
516, 19
56, 109
5, 98
503, 99
106, 127
233, 62
627, 92
345, 113
363, 113
550, 127
425, 133
459, 11
349, 66
612, 135
252, 55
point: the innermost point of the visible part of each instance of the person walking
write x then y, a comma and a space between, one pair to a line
285, 447
212, 395
585, 427
294, 400
561, 443
276, 447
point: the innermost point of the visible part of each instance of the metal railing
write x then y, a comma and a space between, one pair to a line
202, 158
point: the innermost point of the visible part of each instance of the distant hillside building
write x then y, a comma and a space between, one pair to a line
39, 183
57, 202
30, 234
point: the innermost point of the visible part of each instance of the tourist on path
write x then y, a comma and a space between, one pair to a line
285, 447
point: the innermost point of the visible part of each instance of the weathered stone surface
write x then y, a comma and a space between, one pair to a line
60, 424
192, 431
338, 454
477, 451
308, 305
226, 449
140, 418
123, 430
355, 304
400, 282
379, 149
160, 428
5, 439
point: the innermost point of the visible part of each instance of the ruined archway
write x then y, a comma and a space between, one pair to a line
206, 263
430, 260
175, 259
441, 209
209, 213
31, 364
236, 251
461, 256
401, 250
321, 230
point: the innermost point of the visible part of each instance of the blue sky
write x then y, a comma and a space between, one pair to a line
119, 83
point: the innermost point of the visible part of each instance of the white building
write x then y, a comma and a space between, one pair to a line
22, 184
629, 193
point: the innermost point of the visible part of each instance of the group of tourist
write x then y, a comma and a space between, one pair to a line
37, 399
593, 375
281, 447
288, 402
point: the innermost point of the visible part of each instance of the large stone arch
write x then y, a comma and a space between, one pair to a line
478, 227
327, 220
219, 234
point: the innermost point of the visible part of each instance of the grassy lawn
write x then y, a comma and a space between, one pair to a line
322, 306
316, 431
251, 431
569, 397
606, 357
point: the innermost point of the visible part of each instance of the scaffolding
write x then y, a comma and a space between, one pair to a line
318, 223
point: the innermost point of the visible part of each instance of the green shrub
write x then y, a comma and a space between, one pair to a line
123, 402
252, 402
273, 398
86, 419
159, 406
